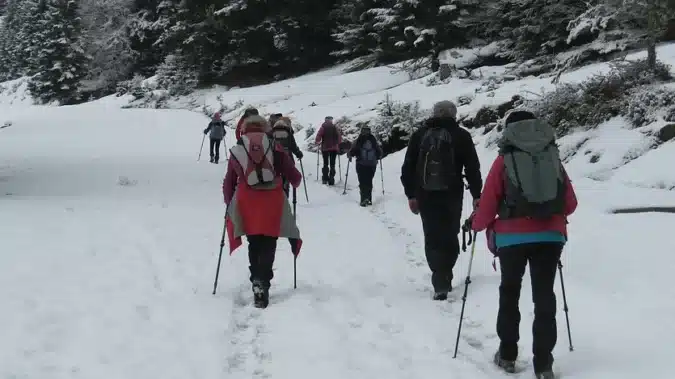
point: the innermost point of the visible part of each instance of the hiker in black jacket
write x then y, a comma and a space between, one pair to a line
439, 155
368, 153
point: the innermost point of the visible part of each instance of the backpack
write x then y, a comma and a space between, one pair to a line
282, 136
330, 135
255, 153
534, 178
368, 153
436, 161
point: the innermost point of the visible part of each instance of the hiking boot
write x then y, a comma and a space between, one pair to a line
363, 203
545, 375
216, 160
211, 160
369, 202
508, 366
260, 295
331, 181
440, 295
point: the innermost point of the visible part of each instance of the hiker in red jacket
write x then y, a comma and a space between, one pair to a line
247, 112
525, 204
256, 204
330, 137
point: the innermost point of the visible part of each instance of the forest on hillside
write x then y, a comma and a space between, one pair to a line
76, 50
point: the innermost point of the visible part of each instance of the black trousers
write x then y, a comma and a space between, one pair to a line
214, 148
365, 175
261, 252
328, 170
543, 259
441, 214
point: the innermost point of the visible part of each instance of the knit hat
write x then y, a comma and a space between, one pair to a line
216, 116
255, 123
516, 115
445, 108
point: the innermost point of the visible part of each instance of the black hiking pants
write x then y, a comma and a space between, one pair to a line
441, 214
365, 174
543, 259
328, 170
261, 251
214, 148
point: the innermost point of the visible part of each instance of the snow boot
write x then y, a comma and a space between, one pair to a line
508, 366
261, 297
440, 295
545, 375
211, 160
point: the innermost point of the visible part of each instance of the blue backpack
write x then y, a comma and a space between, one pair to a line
368, 154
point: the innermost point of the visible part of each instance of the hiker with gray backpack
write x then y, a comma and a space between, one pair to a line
368, 153
524, 207
440, 153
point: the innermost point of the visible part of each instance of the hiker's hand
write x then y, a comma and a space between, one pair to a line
300, 155
412, 204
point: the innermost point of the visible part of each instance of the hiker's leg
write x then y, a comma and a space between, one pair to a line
513, 260
543, 265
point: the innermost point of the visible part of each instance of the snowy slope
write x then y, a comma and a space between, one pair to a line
109, 233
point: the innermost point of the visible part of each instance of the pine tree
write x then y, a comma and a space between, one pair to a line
61, 59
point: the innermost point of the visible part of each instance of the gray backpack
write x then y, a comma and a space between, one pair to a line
535, 179
368, 153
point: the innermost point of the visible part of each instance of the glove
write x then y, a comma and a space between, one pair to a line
206, 131
300, 155
412, 204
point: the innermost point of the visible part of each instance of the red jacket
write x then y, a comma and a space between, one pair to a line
493, 193
332, 147
283, 166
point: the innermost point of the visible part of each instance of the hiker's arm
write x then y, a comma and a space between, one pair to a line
208, 128
472, 168
287, 168
491, 196
571, 201
230, 181
319, 135
408, 177
294, 147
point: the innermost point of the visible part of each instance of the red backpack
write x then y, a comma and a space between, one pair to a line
255, 153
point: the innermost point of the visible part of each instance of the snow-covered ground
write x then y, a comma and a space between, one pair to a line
110, 228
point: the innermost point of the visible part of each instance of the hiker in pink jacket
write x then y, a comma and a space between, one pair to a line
329, 138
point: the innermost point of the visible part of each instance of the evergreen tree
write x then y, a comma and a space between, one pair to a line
60, 56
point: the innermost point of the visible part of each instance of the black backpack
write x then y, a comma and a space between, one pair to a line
436, 161
330, 135
283, 137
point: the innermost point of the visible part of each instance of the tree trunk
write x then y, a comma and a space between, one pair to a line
651, 53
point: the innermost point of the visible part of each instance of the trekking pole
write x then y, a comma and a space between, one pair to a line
295, 243
304, 182
382, 176
220, 255
344, 192
201, 148
567, 317
465, 228
317, 164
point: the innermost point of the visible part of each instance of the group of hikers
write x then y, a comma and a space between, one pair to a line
523, 206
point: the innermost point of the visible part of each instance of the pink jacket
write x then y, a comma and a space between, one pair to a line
328, 146
493, 193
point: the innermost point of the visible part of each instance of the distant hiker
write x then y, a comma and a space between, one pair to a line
432, 180
283, 135
528, 189
248, 112
330, 137
274, 118
256, 206
217, 132
368, 153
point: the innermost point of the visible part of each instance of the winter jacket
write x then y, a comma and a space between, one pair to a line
355, 151
259, 212
327, 146
493, 195
216, 129
466, 158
